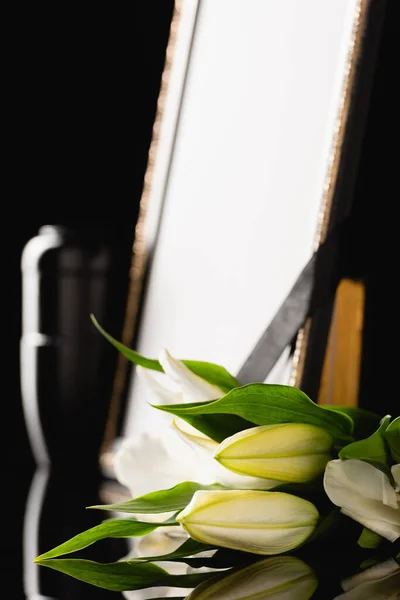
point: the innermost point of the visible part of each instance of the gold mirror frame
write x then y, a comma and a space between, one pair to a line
140, 253
353, 56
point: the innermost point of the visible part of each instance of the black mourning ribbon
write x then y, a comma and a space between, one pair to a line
315, 285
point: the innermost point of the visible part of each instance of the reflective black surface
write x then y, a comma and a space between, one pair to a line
66, 375
46, 509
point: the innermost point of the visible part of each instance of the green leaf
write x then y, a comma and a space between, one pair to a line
222, 558
371, 449
365, 421
122, 576
173, 499
214, 374
260, 404
187, 549
369, 539
113, 528
392, 436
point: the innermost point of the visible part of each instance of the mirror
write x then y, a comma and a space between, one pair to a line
242, 172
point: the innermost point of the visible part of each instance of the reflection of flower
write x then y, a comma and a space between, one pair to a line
365, 494
150, 463
249, 520
292, 452
155, 544
281, 577
381, 582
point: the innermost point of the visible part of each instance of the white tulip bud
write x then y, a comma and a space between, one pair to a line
290, 452
249, 520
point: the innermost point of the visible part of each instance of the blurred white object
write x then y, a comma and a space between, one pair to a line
154, 544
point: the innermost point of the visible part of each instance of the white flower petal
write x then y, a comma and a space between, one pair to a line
396, 476
144, 465
147, 594
161, 541
191, 435
372, 574
381, 582
155, 543
159, 385
386, 529
211, 470
364, 479
365, 494
194, 388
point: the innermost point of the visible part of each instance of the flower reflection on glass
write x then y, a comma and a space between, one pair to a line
380, 582
277, 578
154, 544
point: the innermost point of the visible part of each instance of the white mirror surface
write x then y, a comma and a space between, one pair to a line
241, 170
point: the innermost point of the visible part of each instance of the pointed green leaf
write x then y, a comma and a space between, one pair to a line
260, 404
174, 499
365, 421
392, 436
371, 449
369, 539
112, 528
212, 373
122, 576
222, 558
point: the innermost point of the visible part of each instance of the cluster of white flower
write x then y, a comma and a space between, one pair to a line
248, 463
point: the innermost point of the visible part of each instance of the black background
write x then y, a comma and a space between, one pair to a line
81, 100
80, 87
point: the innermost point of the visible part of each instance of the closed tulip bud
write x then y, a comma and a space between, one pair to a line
283, 577
290, 452
249, 520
